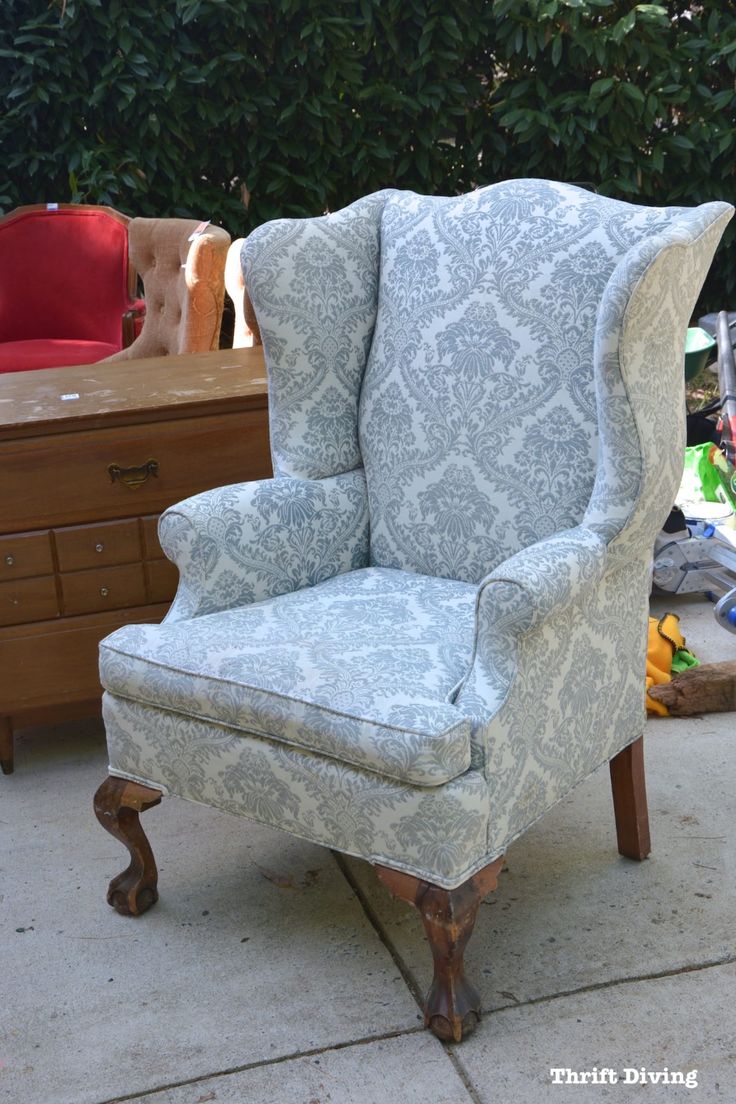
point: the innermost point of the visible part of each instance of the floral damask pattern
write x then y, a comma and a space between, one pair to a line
413, 660
251, 541
438, 834
361, 667
314, 285
484, 342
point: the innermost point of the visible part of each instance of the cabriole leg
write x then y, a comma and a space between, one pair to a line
452, 1007
117, 805
630, 801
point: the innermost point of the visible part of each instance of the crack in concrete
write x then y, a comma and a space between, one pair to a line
277, 1061
451, 1050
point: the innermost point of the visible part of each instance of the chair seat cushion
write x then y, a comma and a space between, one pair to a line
362, 668
23, 356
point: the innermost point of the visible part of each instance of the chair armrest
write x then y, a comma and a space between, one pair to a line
251, 541
544, 576
517, 597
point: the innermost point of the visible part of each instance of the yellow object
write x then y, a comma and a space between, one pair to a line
665, 639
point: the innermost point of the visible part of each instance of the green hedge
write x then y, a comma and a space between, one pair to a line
199, 107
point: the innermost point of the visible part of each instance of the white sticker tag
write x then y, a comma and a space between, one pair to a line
52, 206
71, 395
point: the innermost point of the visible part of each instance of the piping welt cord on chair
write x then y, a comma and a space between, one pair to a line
431, 624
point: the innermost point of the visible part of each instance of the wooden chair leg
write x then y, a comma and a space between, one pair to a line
117, 805
452, 1007
630, 801
7, 757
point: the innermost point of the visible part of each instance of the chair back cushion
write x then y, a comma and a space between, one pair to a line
478, 426
63, 275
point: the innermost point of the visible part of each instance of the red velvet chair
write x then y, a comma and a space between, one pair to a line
67, 288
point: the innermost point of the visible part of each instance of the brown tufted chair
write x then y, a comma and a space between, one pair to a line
245, 332
184, 285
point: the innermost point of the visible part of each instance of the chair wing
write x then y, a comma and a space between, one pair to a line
561, 626
314, 286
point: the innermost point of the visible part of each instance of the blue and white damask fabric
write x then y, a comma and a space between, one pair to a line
362, 668
520, 422
438, 834
314, 286
478, 424
251, 541
566, 664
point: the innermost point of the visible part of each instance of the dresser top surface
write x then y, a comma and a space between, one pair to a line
86, 396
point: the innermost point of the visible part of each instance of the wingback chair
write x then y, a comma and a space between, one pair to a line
431, 624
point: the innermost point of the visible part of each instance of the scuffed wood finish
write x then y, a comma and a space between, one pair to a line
630, 801
452, 1007
117, 805
709, 688
7, 756
131, 392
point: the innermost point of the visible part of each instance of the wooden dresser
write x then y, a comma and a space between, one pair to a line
89, 457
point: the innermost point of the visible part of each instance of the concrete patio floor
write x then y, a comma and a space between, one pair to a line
271, 972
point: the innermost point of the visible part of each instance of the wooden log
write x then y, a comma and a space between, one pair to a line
709, 688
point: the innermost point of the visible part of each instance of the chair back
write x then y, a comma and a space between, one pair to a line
182, 265
460, 349
64, 273
478, 420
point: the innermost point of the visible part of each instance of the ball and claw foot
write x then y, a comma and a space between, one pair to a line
117, 805
452, 1013
129, 896
452, 1007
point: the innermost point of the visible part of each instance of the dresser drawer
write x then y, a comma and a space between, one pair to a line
103, 588
25, 554
162, 579
151, 548
115, 542
94, 476
27, 600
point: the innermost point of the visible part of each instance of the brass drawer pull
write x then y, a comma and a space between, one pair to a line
104, 591
9, 560
133, 477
